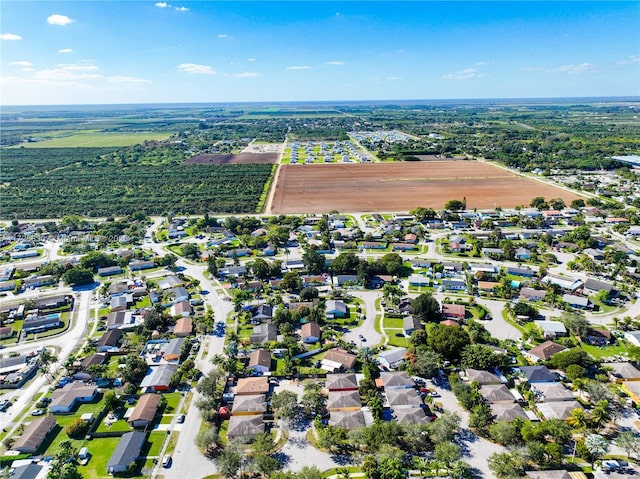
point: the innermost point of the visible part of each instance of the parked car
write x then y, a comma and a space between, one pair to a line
4, 405
37, 412
181, 418
166, 461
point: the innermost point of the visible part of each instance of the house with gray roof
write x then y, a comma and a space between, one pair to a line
393, 358
403, 398
341, 382
34, 435
538, 374
344, 401
347, 419
248, 426
264, 333
411, 415
126, 452
396, 379
496, 393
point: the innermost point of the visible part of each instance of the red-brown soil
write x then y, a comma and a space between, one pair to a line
226, 159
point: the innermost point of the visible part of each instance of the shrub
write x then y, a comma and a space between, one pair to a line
77, 429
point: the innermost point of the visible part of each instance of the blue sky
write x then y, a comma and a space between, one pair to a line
78, 52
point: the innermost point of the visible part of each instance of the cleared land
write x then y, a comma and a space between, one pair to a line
403, 186
97, 139
230, 159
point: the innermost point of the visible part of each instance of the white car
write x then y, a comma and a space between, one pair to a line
37, 412
166, 460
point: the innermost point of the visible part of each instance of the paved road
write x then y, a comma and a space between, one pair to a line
367, 329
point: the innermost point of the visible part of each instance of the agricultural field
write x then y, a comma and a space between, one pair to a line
232, 159
403, 186
95, 139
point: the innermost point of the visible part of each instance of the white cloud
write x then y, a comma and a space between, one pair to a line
481, 64
65, 50
251, 59
574, 69
28, 69
394, 78
244, 75
128, 81
60, 75
195, 69
466, 74
163, 5
79, 68
182, 9
21, 64
632, 59
222, 35
334, 63
533, 69
299, 67
61, 20
10, 36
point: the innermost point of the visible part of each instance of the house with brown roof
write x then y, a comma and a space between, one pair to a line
183, 327
341, 382
34, 435
253, 385
249, 405
487, 285
109, 340
145, 411
338, 357
6, 332
260, 360
245, 426
453, 311
310, 333
344, 401
181, 308
545, 351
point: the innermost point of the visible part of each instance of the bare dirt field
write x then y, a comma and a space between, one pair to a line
402, 187
224, 159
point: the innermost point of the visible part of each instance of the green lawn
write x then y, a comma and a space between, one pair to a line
393, 323
101, 451
173, 399
598, 352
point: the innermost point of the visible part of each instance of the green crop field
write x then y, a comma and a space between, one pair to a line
98, 139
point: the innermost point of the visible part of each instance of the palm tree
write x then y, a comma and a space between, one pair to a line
600, 414
597, 446
579, 419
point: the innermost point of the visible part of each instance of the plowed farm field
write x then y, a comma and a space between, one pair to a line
403, 186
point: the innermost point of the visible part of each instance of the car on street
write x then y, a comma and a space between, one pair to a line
166, 460
181, 418
362, 338
4, 405
37, 412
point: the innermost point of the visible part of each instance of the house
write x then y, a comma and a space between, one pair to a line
109, 341
403, 246
38, 281
336, 308
261, 313
126, 452
343, 279
183, 308
551, 329
548, 392
531, 294
410, 415
341, 382
594, 286
337, 358
245, 427
488, 285
145, 411
632, 388
7, 285
27, 471
183, 327
555, 474
139, 265
41, 323
6, 332
538, 374
119, 303
453, 311
420, 263
623, 372
558, 409
482, 377
34, 435
344, 401
545, 351
264, 333
562, 282
523, 272
496, 393
110, 271
95, 359
454, 285
393, 358
169, 282
395, 380
260, 360
63, 400
347, 420
579, 302
507, 411
403, 398
158, 378
179, 294
173, 349
120, 320
451, 323
248, 405
633, 337
253, 385
310, 333
410, 324
492, 252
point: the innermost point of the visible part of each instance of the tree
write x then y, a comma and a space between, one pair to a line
392, 293
479, 356
448, 341
597, 446
345, 263
448, 453
628, 442
229, 460
505, 432
507, 465
600, 414
444, 428
47, 359
112, 402
539, 202
135, 369
454, 205
77, 429
261, 269
481, 418
425, 362
310, 472
525, 309
266, 465
309, 293
263, 444
564, 359
426, 308
77, 276
313, 261
579, 419
312, 398
207, 439
285, 404
291, 281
